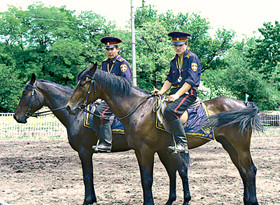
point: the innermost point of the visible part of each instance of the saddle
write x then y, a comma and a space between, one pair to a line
117, 127
193, 118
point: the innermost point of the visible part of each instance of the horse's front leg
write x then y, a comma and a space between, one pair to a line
85, 155
181, 162
171, 171
145, 159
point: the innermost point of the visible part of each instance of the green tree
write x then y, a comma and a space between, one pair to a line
154, 50
51, 42
10, 86
237, 79
36, 36
265, 55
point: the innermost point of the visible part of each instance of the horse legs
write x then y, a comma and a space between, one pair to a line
145, 159
240, 155
85, 155
181, 160
171, 171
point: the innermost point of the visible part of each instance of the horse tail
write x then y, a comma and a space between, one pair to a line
244, 118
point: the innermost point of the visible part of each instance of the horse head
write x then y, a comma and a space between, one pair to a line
31, 101
85, 91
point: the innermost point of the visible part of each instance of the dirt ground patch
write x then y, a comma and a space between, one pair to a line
49, 172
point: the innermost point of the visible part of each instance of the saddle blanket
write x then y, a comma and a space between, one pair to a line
195, 116
117, 127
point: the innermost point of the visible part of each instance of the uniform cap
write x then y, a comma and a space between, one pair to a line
110, 42
178, 37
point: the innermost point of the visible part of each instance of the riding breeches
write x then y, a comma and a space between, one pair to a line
103, 113
175, 109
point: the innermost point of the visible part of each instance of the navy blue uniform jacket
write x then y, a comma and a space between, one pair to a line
190, 71
120, 67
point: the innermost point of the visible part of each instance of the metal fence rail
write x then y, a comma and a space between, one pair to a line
270, 118
49, 125
44, 126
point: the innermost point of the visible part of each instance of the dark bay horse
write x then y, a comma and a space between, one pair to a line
39, 93
134, 107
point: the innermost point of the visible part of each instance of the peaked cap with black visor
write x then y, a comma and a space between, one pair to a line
178, 37
110, 42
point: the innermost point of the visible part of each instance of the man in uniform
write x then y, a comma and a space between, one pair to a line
116, 65
183, 79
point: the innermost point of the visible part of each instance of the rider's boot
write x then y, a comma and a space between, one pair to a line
105, 136
181, 144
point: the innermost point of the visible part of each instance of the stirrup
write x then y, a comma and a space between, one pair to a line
98, 149
175, 149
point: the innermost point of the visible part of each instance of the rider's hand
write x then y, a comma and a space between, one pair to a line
155, 91
173, 97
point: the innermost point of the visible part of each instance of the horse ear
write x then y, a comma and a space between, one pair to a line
93, 68
33, 79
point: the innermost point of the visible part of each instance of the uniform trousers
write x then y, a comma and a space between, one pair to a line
175, 109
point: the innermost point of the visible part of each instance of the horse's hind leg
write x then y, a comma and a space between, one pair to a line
171, 171
238, 147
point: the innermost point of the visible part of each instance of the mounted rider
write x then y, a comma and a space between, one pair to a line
183, 79
117, 65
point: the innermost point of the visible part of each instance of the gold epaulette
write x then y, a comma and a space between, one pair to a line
188, 56
119, 58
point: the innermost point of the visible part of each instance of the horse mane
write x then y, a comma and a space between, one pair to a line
62, 87
117, 84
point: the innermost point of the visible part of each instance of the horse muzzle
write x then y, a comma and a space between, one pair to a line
72, 110
20, 119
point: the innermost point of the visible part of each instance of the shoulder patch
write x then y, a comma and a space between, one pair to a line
123, 67
194, 67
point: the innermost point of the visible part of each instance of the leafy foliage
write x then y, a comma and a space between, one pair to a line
56, 44
265, 55
10, 85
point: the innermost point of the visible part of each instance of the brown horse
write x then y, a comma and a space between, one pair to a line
134, 107
39, 93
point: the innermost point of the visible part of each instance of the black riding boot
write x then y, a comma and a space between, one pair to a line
105, 138
181, 143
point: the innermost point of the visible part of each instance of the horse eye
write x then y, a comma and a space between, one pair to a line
82, 84
24, 92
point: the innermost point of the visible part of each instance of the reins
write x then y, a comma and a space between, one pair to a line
46, 112
134, 110
88, 93
120, 118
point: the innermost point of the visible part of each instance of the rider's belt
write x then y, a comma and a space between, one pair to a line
176, 86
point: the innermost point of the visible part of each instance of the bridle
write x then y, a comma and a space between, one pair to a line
36, 114
92, 80
83, 106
